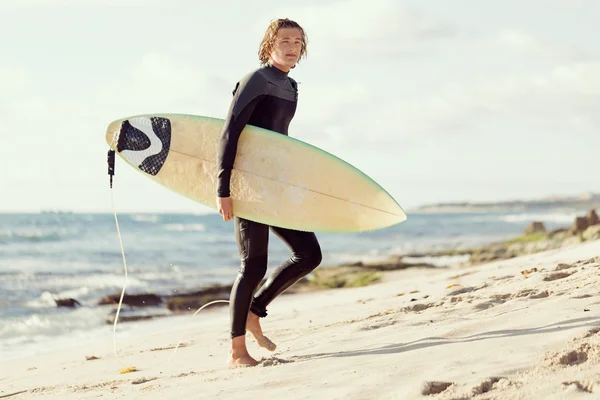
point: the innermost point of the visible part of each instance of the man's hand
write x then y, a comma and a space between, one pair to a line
225, 207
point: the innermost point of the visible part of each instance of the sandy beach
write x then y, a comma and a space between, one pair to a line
524, 328
443, 154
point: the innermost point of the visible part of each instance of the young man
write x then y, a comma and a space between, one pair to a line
266, 98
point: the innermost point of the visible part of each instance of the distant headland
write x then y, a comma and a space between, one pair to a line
587, 200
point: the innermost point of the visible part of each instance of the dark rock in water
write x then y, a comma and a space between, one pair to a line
490, 253
137, 300
580, 225
535, 226
110, 319
67, 303
394, 264
195, 300
592, 218
340, 276
130, 315
355, 264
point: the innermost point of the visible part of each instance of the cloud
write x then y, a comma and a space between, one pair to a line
348, 28
14, 79
19, 101
23, 108
564, 99
161, 83
533, 46
574, 4
322, 103
39, 4
382, 18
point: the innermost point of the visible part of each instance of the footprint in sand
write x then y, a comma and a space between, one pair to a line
463, 274
364, 301
487, 304
574, 357
273, 361
580, 350
497, 299
181, 345
586, 387
593, 260
468, 289
418, 307
502, 297
456, 299
486, 385
184, 374
533, 293
590, 333
501, 278
435, 387
563, 266
558, 275
541, 295
44, 389
142, 380
377, 325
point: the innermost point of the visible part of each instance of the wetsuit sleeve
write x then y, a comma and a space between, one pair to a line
246, 96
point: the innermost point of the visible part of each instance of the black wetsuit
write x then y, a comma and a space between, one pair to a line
266, 98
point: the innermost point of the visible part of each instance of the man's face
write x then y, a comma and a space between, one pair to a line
287, 47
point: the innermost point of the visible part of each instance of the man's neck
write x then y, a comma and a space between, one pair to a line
280, 67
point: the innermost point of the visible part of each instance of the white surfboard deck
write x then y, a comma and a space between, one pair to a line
276, 179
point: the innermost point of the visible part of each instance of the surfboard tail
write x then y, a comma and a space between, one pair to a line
112, 134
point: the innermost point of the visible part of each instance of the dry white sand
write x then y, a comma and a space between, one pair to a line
485, 332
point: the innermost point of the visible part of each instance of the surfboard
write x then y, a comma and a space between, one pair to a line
276, 179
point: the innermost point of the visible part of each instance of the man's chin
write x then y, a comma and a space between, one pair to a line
291, 63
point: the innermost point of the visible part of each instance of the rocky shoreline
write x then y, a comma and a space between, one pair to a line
535, 238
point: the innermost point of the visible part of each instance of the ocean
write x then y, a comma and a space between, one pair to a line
69, 255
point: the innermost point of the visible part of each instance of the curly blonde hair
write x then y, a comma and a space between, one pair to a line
266, 46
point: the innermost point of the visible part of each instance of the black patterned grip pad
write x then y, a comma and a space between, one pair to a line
145, 142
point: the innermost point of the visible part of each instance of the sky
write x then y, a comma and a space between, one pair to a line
437, 101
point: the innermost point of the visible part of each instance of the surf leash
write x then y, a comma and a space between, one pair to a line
131, 368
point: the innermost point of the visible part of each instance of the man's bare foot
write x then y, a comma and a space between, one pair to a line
253, 326
244, 360
239, 356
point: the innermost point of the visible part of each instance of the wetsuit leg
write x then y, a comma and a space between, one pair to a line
306, 256
253, 241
